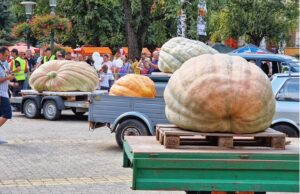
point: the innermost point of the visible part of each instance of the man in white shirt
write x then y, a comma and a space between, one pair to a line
5, 108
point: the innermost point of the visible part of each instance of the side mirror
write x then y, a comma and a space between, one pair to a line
280, 96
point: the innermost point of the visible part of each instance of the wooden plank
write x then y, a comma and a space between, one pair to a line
162, 126
278, 142
267, 133
269, 138
148, 144
171, 141
225, 142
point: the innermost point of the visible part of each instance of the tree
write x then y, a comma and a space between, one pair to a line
140, 16
94, 22
254, 19
5, 22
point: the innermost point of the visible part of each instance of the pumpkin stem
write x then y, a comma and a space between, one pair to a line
51, 74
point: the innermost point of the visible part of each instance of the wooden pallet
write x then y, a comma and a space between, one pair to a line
171, 137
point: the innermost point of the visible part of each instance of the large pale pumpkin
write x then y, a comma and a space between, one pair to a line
133, 85
220, 93
178, 50
63, 76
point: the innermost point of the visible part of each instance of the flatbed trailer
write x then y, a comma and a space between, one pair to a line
207, 169
32, 103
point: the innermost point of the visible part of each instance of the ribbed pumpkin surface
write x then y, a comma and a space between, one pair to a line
178, 50
63, 76
133, 85
220, 93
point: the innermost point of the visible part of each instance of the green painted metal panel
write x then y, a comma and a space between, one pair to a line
256, 156
214, 171
219, 164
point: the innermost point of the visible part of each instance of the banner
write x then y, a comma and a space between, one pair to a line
181, 24
201, 24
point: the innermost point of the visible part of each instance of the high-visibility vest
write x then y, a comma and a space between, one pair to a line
21, 75
50, 59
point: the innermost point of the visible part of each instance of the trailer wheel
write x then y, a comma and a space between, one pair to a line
31, 109
131, 127
51, 111
77, 113
288, 130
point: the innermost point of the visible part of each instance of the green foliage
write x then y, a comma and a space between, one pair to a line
40, 28
254, 19
21, 30
96, 22
5, 23
102, 22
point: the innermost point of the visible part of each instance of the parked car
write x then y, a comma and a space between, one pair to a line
286, 90
280, 63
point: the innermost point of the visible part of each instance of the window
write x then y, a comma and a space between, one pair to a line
289, 90
270, 67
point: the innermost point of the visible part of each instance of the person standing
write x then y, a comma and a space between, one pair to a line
31, 65
104, 78
144, 64
126, 68
48, 57
110, 66
30, 59
19, 68
68, 56
5, 77
154, 63
135, 66
60, 55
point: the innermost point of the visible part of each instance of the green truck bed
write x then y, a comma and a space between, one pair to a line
211, 168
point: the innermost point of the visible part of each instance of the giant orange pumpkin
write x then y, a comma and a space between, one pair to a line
63, 76
219, 93
133, 85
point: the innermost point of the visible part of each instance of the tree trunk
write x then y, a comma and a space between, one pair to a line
133, 48
136, 39
255, 39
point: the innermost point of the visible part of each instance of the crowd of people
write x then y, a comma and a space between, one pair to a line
21, 64
16, 67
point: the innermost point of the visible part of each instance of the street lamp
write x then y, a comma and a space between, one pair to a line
53, 4
28, 11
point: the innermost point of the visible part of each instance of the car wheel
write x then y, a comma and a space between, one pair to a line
287, 129
51, 111
131, 127
31, 109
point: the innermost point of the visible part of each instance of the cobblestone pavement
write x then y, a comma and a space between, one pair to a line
61, 157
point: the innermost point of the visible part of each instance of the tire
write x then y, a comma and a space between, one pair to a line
131, 127
77, 113
51, 111
287, 129
31, 109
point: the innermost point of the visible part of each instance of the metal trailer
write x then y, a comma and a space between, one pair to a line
33, 103
203, 170
129, 115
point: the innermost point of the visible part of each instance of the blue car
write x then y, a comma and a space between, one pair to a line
272, 63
